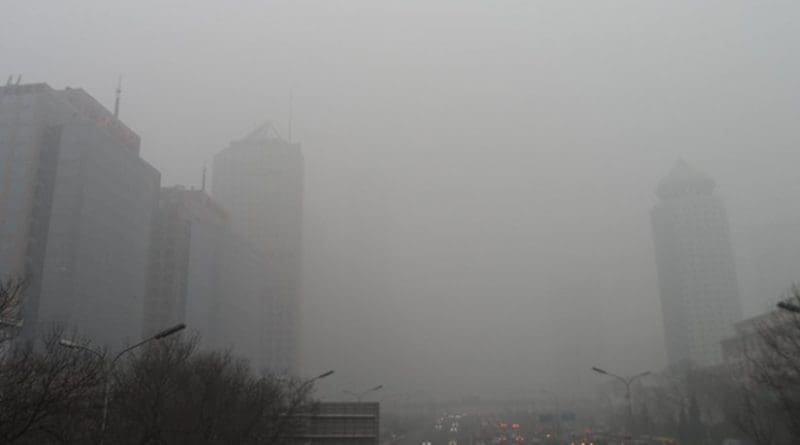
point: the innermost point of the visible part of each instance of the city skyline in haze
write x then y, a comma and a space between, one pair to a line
466, 163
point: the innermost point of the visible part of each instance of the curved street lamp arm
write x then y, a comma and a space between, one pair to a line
625, 381
637, 376
365, 392
360, 395
312, 380
157, 336
621, 379
75, 345
130, 348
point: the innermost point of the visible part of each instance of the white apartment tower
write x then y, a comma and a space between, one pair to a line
258, 182
696, 271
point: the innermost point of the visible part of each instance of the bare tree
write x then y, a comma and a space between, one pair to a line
169, 393
737, 405
760, 397
773, 363
174, 394
47, 394
753, 415
11, 294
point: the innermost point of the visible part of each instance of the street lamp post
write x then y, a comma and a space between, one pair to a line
109, 366
289, 412
359, 396
627, 382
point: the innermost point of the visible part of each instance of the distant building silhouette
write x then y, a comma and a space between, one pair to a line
258, 181
204, 275
696, 272
76, 208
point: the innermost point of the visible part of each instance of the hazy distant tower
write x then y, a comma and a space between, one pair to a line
696, 271
204, 275
258, 181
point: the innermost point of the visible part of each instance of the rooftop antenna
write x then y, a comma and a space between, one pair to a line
291, 112
203, 183
116, 100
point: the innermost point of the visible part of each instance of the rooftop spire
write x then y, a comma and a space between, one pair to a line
203, 183
291, 114
118, 95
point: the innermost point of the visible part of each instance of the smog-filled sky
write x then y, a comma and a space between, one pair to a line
479, 175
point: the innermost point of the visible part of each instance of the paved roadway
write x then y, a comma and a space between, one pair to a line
468, 426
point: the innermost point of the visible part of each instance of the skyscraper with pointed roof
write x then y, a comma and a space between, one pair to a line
696, 271
258, 181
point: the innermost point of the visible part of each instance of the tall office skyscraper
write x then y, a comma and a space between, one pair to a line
696, 271
204, 275
76, 207
258, 181
184, 250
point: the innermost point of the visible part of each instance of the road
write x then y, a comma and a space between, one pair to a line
466, 428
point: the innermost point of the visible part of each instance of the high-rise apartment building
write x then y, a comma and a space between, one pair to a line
76, 208
204, 275
258, 181
696, 272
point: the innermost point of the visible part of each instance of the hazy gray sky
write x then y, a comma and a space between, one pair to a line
479, 174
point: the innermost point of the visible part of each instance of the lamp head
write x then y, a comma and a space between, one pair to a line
68, 343
786, 306
169, 331
326, 374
